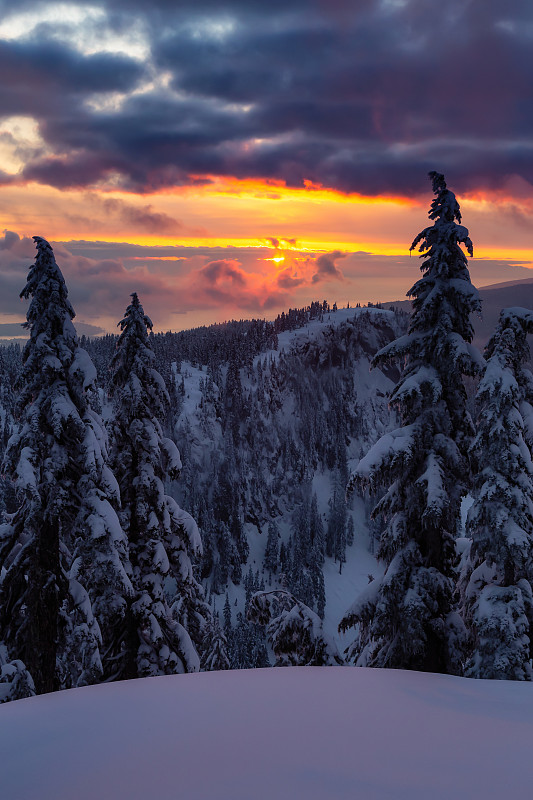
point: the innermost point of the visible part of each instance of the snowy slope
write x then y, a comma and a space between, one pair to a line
198, 425
336, 733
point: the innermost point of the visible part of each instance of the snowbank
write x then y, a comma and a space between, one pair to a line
330, 733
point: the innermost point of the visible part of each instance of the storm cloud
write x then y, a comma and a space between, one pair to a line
357, 95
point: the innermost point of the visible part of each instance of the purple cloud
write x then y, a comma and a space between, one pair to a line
326, 269
356, 95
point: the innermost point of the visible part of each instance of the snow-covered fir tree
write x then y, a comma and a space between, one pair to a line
406, 619
271, 559
167, 618
496, 580
288, 449
350, 531
294, 631
15, 680
246, 641
64, 585
336, 534
305, 576
248, 644
227, 627
215, 647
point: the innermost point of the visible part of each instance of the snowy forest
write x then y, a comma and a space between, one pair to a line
336, 486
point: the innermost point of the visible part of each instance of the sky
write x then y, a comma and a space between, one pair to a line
233, 159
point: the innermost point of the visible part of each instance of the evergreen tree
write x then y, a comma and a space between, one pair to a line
294, 631
233, 400
496, 582
15, 680
64, 554
215, 647
167, 618
336, 530
316, 527
227, 618
249, 650
350, 531
271, 560
300, 578
406, 618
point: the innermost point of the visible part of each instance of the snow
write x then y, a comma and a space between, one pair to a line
172, 453
26, 478
83, 364
201, 443
188, 524
342, 589
396, 444
466, 504
282, 734
203, 433
314, 329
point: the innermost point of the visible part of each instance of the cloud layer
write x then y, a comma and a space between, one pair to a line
182, 287
358, 95
173, 281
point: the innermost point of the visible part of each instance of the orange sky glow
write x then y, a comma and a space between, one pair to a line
250, 213
269, 237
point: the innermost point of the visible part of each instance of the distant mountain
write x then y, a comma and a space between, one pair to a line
494, 298
508, 283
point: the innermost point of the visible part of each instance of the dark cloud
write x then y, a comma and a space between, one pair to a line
359, 96
216, 271
197, 8
226, 283
124, 250
144, 217
326, 269
20, 247
287, 279
43, 78
275, 242
5, 178
10, 240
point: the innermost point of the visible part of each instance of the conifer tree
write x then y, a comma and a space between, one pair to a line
406, 618
65, 588
294, 631
496, 582
337, 520
15, 680
215, 647
317, 537
227, 618
248, 646
350, 531
271, 560
167, 618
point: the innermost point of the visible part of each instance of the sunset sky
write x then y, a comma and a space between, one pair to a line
232, 159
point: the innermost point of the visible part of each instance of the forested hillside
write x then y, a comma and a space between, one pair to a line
268, 419
263, 493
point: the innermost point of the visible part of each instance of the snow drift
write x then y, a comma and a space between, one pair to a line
315, 733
